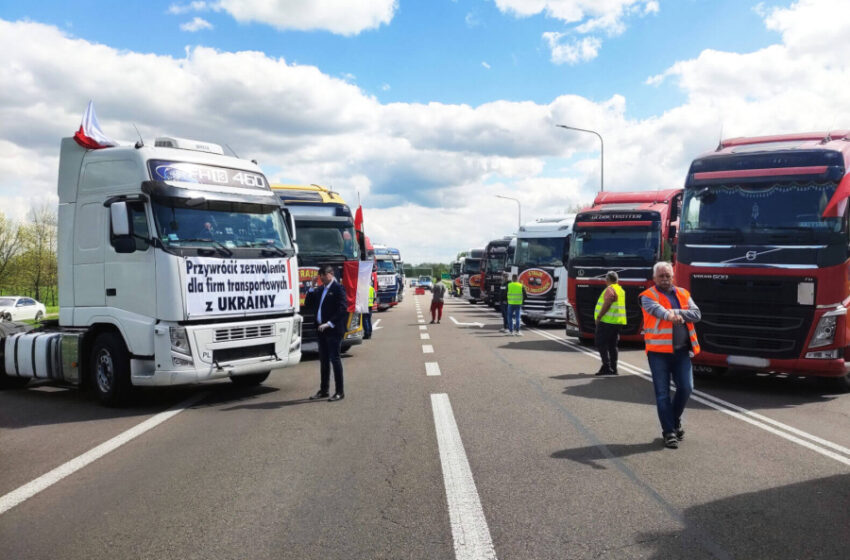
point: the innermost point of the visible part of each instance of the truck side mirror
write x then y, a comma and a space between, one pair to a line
120, 219
122, 233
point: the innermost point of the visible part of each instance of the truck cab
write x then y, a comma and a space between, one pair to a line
326, 235
175, 266
627, 232
388, 278
493, 270
471, 275
539, 261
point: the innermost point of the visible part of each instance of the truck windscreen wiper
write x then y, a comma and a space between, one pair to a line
272, 250
217, 244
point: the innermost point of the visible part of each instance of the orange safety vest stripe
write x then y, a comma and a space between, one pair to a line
658, 333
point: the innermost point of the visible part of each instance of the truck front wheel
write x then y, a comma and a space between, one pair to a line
838, 384
250, 380
110, 369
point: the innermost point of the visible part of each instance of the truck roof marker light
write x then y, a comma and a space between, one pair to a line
187, 144
842, 193
772, 172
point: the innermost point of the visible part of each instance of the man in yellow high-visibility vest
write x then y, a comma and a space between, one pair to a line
610, 317
516, 295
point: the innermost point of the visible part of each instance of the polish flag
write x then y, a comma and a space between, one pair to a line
358, 219
356, 277
90, 135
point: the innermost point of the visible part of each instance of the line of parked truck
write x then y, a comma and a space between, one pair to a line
178, 264
760, 236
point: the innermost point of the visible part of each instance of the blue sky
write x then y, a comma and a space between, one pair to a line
427, 109
433, 50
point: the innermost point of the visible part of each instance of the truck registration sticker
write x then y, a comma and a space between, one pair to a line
236, 286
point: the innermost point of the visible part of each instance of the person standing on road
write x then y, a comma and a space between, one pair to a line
367, 317
610, 317
669, 315
438, 294
516, 295
503, 306
331, 308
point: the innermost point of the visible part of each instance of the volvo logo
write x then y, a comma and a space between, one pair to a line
751, 255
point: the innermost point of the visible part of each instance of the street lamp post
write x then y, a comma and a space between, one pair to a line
601, 153
518, 208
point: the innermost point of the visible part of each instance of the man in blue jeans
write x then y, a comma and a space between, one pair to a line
669, 315
516, 295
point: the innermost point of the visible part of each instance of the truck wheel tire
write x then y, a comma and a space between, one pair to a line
837, 384
8, 382
250, 380
344, 348
110, 369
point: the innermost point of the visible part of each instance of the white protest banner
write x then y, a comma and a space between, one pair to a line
237, 286
364, 280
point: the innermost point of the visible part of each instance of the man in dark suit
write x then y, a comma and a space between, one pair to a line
331, 308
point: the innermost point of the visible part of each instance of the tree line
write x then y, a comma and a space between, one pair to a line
28, 255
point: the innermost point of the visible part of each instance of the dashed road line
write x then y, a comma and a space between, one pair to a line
424, 336
423, 328
470, 533
427, 349
432, 369
48, 479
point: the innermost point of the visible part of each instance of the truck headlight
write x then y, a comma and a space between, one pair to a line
825, 331
179, 340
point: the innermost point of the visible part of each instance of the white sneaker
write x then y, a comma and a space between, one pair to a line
503, 330
518, 333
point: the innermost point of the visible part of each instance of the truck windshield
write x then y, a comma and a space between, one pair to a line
325, 240
616, 242
496, 264
766, 209
228, 224
547, 251
387, 267
472, 266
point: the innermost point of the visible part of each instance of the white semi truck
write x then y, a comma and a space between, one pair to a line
176, 266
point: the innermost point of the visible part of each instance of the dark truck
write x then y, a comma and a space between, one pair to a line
493, 270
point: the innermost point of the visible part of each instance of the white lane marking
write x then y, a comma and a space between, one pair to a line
424, 336
470, 533
376, 323
423, 328
48, 479
427, 349
421, 320
432, 369
455, 321
816, 444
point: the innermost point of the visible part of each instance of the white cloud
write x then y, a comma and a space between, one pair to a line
385, 87
573, 50
586, 16
485, 65
472, 20
420, 168
197, 6
197, 24
345, 17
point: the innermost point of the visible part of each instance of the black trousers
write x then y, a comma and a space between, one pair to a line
329, 343
607, 336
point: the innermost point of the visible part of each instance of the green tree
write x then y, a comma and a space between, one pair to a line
38, 266
10, 247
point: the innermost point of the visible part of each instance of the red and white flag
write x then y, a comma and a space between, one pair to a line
90, 135
358, 219
356, 276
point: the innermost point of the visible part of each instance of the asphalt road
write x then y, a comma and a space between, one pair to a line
515, 450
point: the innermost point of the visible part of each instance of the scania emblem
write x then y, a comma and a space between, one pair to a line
751, 255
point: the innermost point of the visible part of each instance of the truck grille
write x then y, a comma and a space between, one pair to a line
587, 296
243, 333
752, 316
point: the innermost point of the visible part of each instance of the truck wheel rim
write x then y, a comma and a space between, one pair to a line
105, 370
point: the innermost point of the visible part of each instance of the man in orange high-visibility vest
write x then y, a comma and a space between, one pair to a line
669, 315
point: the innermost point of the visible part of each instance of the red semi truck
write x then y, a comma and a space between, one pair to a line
763, 248
627, 232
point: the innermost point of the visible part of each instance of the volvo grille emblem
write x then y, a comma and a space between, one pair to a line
751, 255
